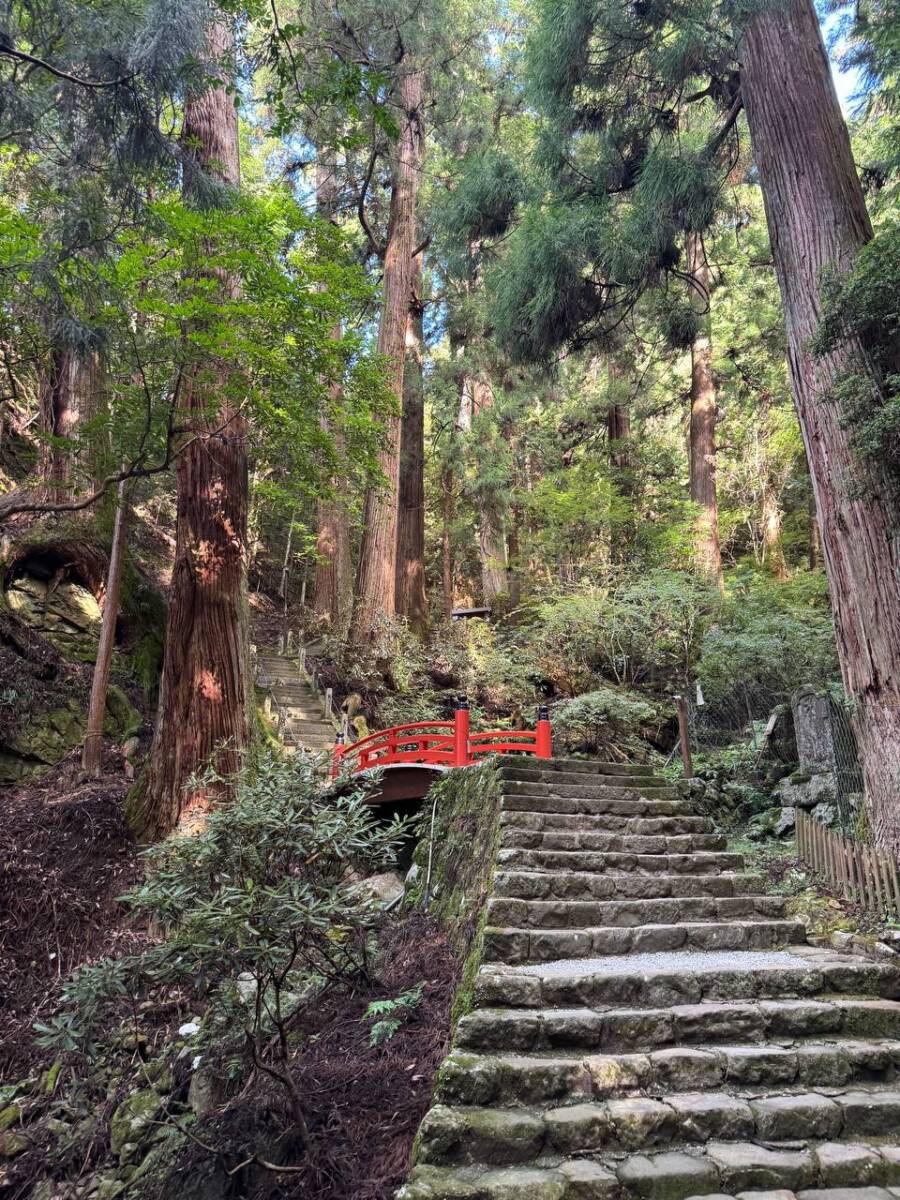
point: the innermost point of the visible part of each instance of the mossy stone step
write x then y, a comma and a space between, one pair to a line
587, 791
654, 980
538, 774
628, 806
670, 862
521, 1079
583, 766
732, 1169
472, 1134
577, 885
675, 843
574, 914
526, 945
625, 1030
622, 823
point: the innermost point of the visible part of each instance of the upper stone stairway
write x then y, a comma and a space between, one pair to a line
648, 1024
301, 721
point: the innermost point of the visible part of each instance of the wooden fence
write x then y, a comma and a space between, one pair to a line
866, 876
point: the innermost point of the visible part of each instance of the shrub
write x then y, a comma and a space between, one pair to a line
645, 632
606, 721
257, 914
768, 639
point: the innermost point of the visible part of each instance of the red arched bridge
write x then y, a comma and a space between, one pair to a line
412, 756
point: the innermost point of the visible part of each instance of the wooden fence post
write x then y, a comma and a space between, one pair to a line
684, 737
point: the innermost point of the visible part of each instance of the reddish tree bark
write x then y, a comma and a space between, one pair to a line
817, 219
704, 410
333, 585
377, 571
203, 701
410, 594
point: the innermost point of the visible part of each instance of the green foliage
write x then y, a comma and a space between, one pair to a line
767, 639
391, 1014
865, 303
639, 632
605, 723
256, 914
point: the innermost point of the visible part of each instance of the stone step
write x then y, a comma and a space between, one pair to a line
618, 843
465, 1135
582, 766
551, 822
533, 773
516, 945
588, 791
630, 806
313, 744
717, 1170
287, 695
594, 860
696, 978
576, 914
301, 725
538, 1079
587, 885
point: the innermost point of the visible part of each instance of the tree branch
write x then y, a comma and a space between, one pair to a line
374, 244
9, 51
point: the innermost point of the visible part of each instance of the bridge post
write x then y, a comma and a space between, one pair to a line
543, 743
461, 733
336, 755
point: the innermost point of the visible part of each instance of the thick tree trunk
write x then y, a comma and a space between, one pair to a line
817, 219
376, 576
333, 584
704, 410
410, 596
203, 701
58, 419
491, 531
92, 752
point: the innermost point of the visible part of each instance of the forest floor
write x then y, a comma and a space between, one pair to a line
65, 857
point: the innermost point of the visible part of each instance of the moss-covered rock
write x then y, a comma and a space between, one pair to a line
455, 862
132, 1122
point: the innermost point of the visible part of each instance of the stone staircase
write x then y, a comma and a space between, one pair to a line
297, 707
649, 1026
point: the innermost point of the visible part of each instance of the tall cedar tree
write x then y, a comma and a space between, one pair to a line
203, 713
818, 221
377, 571
411, 601
704, 409
333, 586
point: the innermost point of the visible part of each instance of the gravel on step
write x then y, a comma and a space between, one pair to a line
682, 960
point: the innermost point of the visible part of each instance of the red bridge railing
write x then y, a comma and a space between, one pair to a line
440, 743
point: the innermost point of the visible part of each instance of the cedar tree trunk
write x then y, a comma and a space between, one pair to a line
817, 219
377, 571
410, 598
333, 585
203, 701
707, 551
